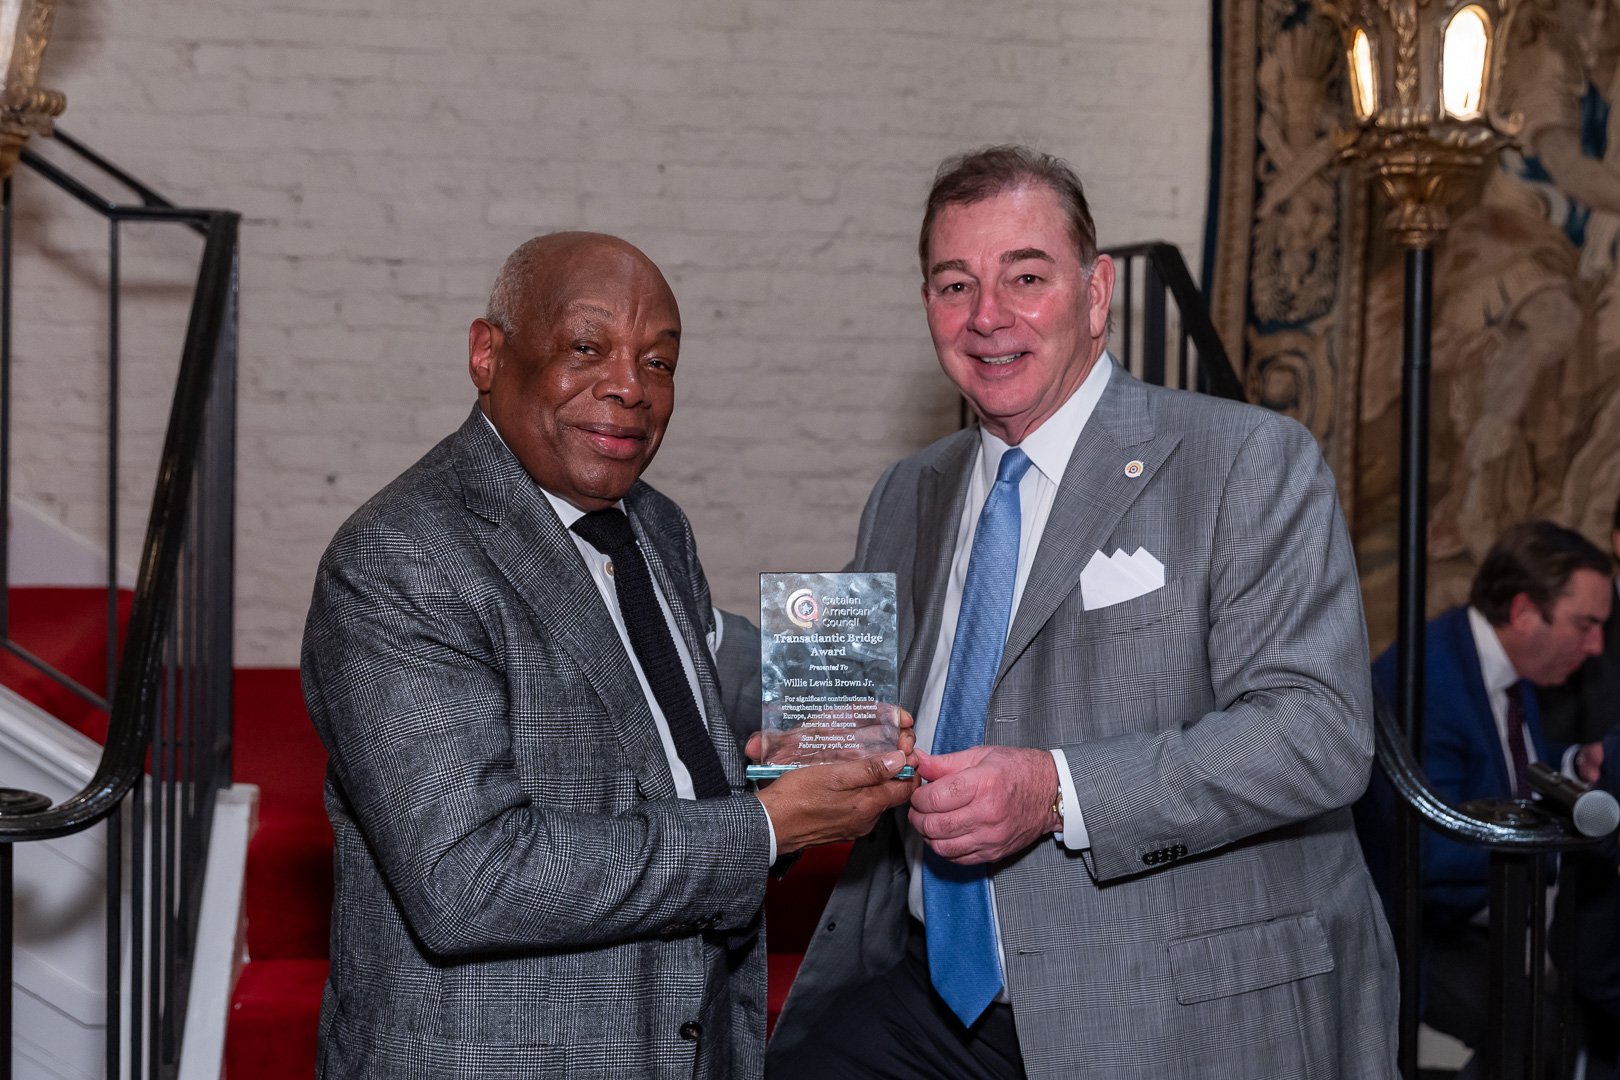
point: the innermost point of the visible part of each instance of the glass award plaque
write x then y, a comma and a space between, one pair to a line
829, 670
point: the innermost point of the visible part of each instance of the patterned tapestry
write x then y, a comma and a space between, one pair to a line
1307, 290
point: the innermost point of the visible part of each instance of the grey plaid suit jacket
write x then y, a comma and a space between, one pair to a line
1222, 924
519, 892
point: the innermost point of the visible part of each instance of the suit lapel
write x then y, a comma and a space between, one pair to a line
537, 556
1095, 493
942, 488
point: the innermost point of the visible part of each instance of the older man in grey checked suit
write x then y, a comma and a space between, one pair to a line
1133, 640
547, 864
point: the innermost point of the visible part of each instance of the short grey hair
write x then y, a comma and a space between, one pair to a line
510, 300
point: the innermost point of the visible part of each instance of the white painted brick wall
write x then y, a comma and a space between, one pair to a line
771, 155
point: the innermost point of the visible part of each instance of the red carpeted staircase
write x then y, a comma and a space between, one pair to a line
288, 888
66, 628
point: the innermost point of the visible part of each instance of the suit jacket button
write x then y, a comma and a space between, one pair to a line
691, 1031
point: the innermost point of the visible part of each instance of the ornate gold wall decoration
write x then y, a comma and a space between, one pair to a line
26, 107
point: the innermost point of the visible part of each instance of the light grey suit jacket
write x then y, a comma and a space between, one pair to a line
519, 891
1222, 924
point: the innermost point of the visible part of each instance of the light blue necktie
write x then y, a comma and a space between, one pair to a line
956, 899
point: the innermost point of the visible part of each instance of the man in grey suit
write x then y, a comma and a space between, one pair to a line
1135, 860
547, 863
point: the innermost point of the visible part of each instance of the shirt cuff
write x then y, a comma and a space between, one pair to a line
1073, 835
1567, 766
770, 829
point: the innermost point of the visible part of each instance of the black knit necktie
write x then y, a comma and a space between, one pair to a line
608, 531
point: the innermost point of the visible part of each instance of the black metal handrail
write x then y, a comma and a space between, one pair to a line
1511, 826
1201, 360
1521, 836
147, 195
168, 746
135, 699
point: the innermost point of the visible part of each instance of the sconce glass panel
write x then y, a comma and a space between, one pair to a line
11, 24
1462, 64
1363, 75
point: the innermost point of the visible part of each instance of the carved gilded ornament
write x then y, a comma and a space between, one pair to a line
25, 106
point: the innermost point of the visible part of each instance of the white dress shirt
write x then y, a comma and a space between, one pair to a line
1049, 448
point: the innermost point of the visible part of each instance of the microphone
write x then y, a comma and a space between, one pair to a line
1594, 812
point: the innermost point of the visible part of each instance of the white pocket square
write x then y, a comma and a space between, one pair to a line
1114, 579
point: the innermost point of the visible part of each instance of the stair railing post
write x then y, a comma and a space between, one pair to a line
1409, 648
1508, 1047
13, 802
7, 914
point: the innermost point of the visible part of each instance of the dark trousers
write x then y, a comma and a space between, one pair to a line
896, 1027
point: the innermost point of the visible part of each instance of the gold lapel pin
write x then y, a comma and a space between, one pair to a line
1133, 469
